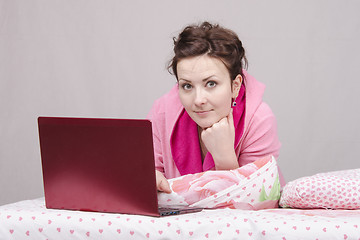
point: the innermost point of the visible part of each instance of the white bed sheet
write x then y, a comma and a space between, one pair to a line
31, 220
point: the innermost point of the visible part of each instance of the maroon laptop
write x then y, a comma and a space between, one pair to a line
103, 165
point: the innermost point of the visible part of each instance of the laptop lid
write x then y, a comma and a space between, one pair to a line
104, 165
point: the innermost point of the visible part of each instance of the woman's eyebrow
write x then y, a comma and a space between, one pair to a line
204, 80
183, 79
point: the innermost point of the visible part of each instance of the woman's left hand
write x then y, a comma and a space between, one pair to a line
219, 141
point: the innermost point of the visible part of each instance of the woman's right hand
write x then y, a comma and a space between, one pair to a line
161, 182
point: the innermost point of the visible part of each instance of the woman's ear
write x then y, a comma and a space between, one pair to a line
236, 85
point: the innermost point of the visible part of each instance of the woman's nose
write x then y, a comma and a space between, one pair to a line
200, 97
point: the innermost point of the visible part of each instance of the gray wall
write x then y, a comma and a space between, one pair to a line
92, 58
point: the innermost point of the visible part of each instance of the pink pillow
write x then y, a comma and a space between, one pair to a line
253, 186
335, 190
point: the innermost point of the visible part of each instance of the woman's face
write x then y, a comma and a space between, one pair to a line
205, 89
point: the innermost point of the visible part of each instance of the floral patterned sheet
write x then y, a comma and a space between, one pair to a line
31, 220
253, 186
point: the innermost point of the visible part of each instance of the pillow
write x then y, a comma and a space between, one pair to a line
334, 190
252, 186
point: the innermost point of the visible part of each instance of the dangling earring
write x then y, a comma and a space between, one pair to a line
234, 103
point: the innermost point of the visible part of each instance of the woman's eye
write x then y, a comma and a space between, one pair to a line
186, 86
211, 84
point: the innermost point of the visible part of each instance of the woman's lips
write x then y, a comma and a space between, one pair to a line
202, 113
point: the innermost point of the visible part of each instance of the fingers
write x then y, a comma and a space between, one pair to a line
161, 183
164, 187
227, 120
231, 118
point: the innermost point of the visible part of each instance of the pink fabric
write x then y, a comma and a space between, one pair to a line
252, 186
331, 190
31, 220
259, 137
185, 136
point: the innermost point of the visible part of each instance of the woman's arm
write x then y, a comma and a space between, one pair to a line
219, 141
161, 182
260, 136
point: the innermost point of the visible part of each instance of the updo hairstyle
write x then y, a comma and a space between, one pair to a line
212, 40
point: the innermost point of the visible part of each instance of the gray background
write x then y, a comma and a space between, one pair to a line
90, 58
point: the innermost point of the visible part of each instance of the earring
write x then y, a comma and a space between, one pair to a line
234, 104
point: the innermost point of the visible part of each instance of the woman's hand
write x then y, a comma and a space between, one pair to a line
162, 183
219, 141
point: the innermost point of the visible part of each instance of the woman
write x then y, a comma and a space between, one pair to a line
214, 118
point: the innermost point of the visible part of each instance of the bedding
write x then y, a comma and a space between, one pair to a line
31, 220
252, 186
334, 190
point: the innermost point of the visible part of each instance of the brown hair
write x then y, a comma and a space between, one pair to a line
213, 40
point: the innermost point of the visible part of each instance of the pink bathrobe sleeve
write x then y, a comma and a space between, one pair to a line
163, 116
259, 137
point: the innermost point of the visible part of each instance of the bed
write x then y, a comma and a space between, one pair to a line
322, 206
31, 220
